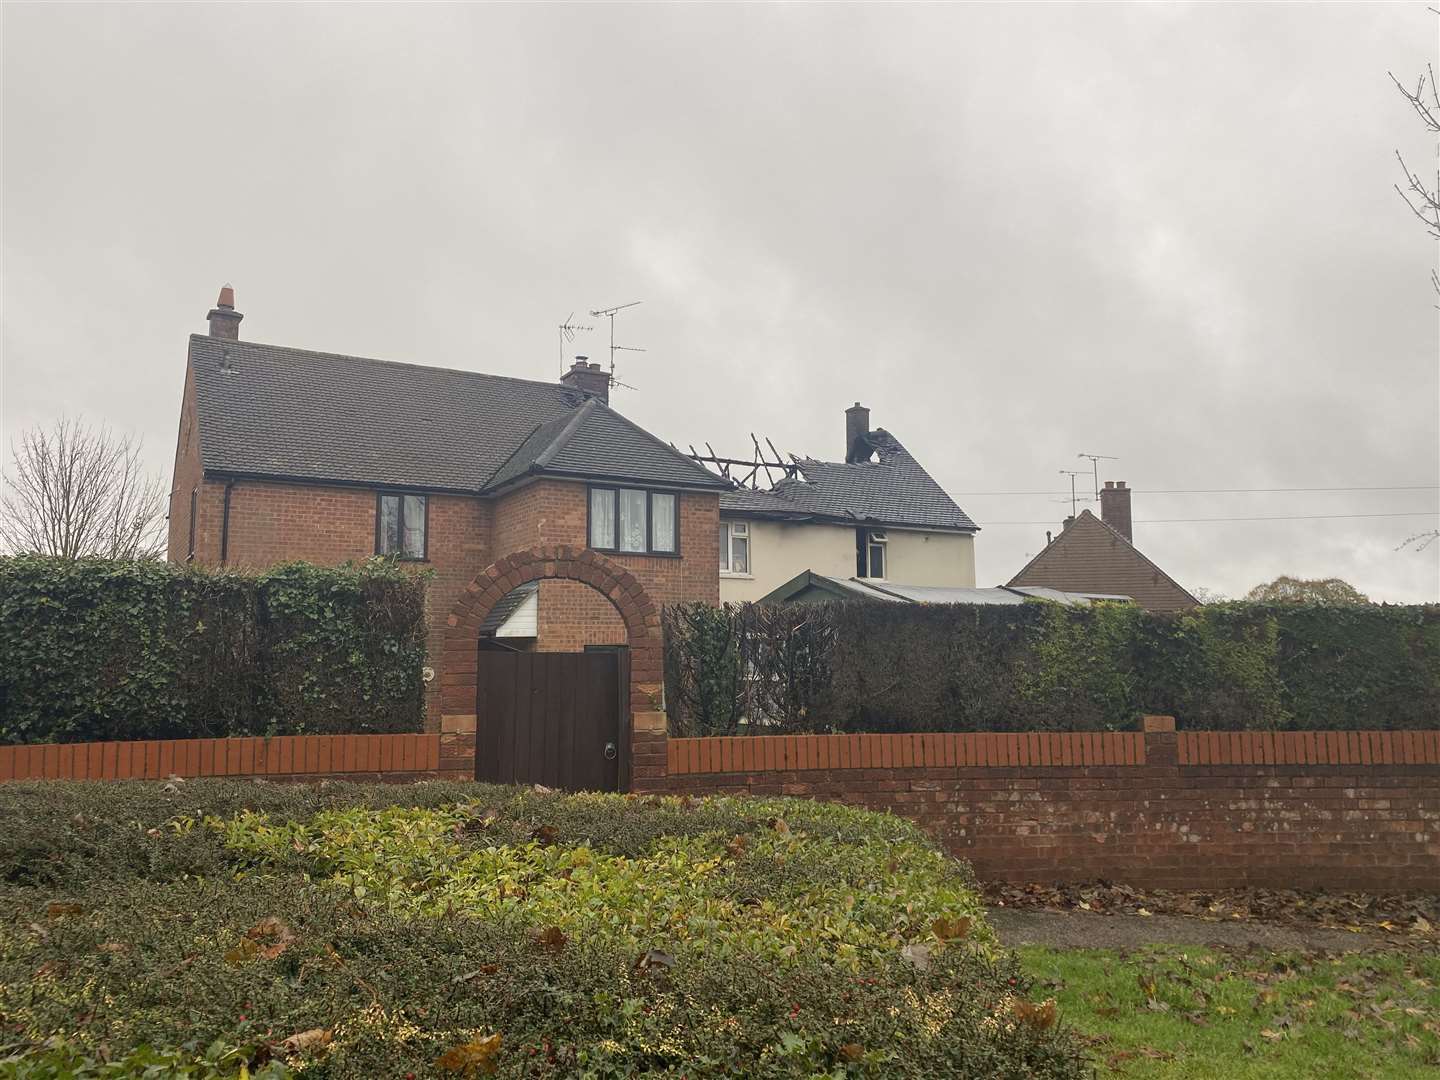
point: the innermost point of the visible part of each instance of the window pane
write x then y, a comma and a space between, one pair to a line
740, 556
724, 545
602, 518
662, 507
414, 526
389, 524
632, 520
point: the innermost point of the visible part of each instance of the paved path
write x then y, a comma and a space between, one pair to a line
1086, 930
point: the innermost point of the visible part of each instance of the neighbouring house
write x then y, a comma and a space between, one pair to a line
816, 588
1098, 555
876, 516
549, 522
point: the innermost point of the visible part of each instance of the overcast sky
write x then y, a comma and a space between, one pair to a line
1165, 233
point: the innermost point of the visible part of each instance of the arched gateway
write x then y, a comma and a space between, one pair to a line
534, 715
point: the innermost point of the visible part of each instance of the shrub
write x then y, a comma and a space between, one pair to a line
110, 649
1041, 666
595, 935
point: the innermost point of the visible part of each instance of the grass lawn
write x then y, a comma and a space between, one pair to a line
221, 929
1172, 1012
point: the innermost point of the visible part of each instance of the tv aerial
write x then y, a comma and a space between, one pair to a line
1095, 460
568, 330
1072, 473
610, 313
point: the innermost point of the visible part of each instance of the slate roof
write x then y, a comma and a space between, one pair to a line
893, 489
1090, 556
506, 606
266, 410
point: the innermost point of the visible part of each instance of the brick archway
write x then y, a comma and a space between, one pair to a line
642, 627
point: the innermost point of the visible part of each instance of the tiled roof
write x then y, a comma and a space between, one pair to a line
891, 490
265, 410
1091, 557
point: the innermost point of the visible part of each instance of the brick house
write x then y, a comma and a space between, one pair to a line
1098, 555
497, 485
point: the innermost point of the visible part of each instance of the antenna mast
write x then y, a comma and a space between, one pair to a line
609, 313
1072, 473
1095, 460
567, 335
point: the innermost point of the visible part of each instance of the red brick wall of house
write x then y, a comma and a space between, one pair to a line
185, 479
272, 522
573, 615
1340, 810
549, 512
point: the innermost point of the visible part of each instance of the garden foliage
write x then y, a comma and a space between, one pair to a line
97, 649
471, 930
770, 669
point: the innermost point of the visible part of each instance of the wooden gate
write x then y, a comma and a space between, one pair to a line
557, 719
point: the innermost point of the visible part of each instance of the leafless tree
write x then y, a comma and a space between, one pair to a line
74, 491
1419, 194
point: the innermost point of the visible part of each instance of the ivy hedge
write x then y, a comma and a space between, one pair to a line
762, 669
99, 649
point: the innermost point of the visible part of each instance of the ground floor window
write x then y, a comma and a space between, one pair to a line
734, 547
870, 553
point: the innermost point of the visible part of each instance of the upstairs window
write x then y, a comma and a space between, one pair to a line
400, 526
870, 555
735, 547
634, 521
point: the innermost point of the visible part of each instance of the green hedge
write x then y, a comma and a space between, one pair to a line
557, 936
98, 649
1041, 666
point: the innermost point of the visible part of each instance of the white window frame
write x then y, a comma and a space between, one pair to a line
729, 530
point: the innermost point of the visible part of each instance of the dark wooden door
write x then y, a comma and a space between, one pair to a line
551, 718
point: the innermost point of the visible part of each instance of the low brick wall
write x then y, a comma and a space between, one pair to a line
350, 757
1195, 810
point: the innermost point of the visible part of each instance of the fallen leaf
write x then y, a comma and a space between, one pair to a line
58, 909
1039, 1017
551, 939
737, 845
545, 835
304, 1041
778, 824
472, 1058
1271, 1034
852, 1051
273, 936
950, 929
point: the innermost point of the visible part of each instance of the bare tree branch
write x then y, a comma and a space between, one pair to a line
1422, 198
77, 491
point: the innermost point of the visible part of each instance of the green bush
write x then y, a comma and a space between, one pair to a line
100, 649
1043, 666
595, 935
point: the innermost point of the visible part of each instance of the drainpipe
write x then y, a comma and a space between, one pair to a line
225, 524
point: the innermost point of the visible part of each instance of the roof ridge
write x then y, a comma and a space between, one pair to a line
559, 388
566, 433
669, 448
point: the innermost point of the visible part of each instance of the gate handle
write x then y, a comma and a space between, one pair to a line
610, 751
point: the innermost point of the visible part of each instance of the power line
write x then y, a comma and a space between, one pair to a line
1286, 517
1222, 491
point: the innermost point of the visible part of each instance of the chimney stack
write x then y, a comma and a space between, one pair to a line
857, 427
588, 377
1115, 508
224, 319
